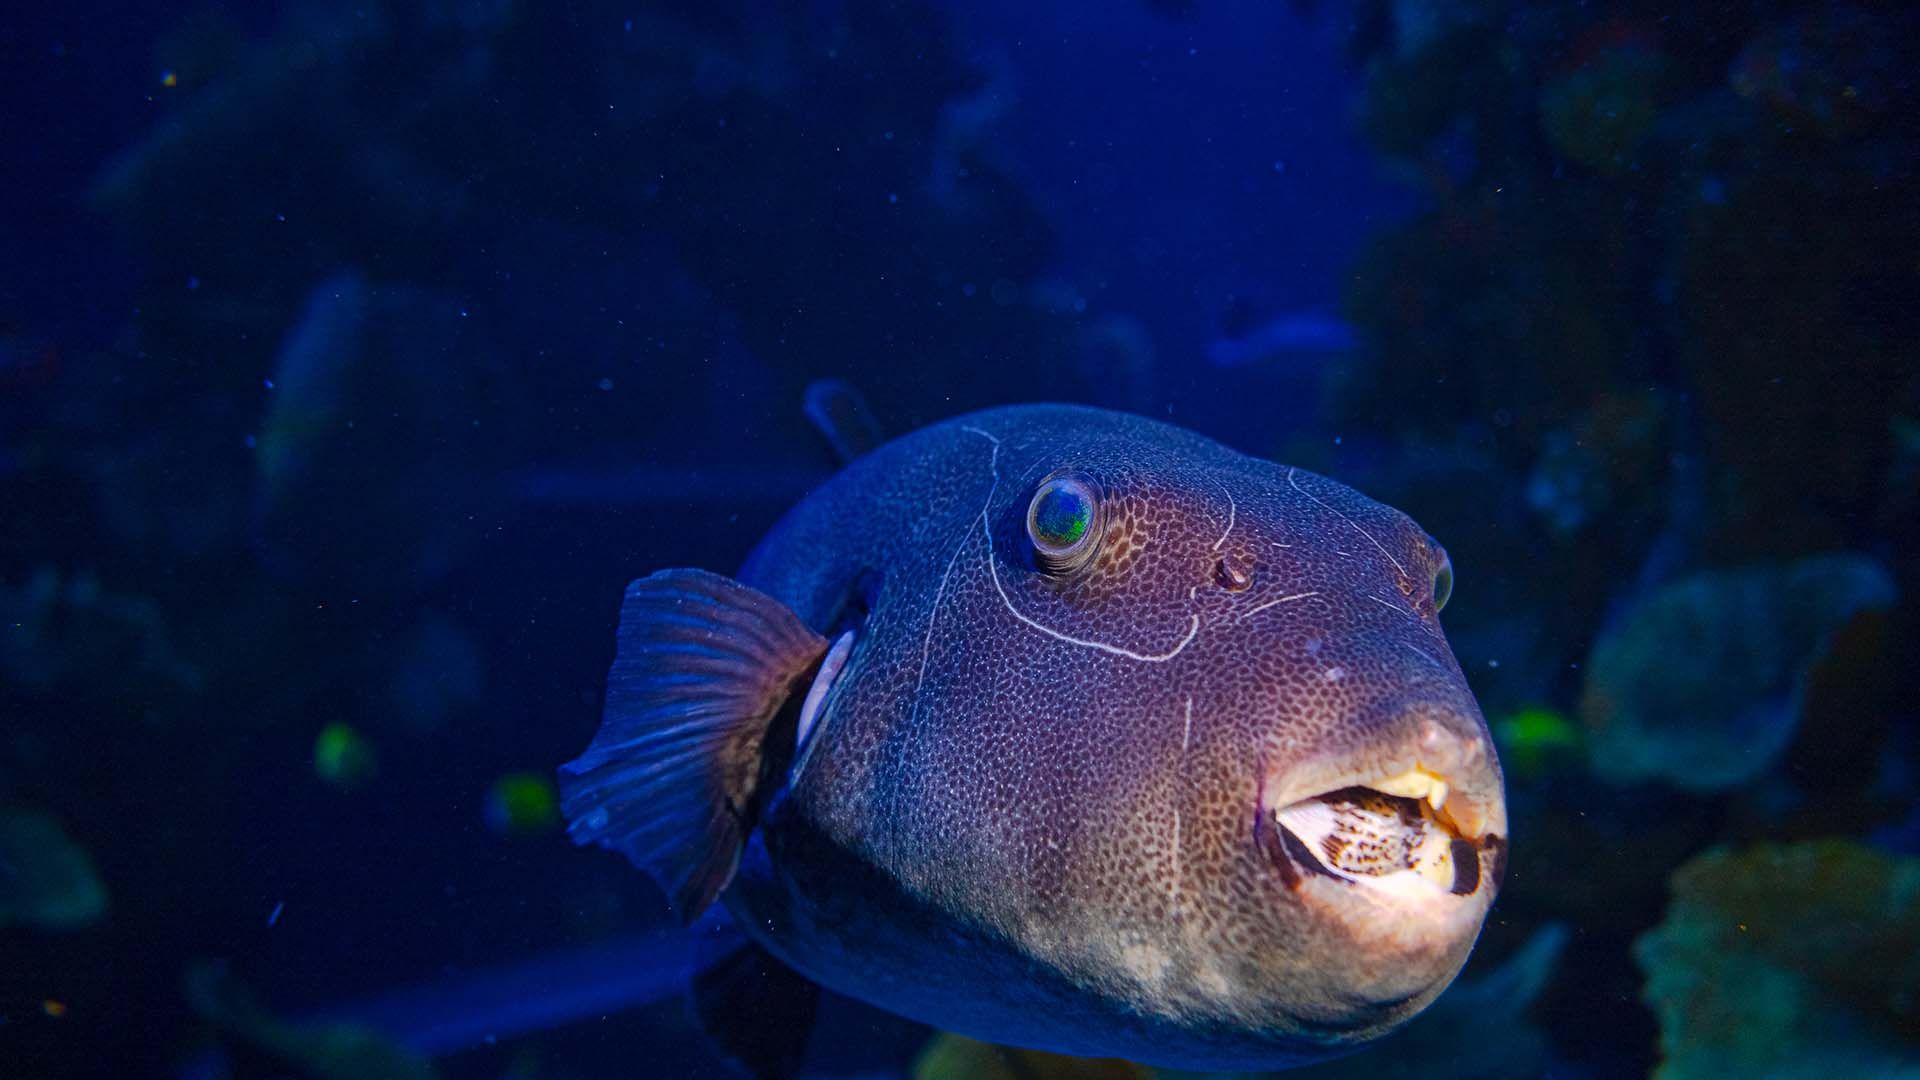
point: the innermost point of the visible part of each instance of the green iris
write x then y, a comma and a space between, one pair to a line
1060, 516
1442, 583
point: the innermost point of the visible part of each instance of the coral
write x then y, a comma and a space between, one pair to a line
59, 633
1597, 114
1748, 637
47, 881
319, 1051
1792, 961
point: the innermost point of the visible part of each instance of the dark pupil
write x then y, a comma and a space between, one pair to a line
1061, 519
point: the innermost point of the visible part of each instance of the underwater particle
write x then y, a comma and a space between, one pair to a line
1791, 960
47, 881
53, 1009
1701, 685
522, 804
343, 757
955, 1057
1531, 737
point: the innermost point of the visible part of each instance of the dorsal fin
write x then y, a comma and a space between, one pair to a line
704, 666
841, 414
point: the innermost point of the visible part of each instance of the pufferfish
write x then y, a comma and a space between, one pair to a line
1070, 730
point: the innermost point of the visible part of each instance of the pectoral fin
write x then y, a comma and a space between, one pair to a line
704, 667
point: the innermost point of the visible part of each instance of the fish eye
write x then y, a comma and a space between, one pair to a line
1061, 522
1442, 582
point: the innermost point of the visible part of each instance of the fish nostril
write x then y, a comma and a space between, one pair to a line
1231, 576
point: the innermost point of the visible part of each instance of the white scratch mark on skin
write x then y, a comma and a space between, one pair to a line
1186, 733
1231, 510
1424, 655
993, 571
1251, 612
1390, 604
1278, 544
1348, 520
1174, 896
926, 644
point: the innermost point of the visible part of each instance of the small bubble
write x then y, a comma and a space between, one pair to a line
605, 384
268, 383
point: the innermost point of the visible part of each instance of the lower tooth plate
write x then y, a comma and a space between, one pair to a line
1374, 839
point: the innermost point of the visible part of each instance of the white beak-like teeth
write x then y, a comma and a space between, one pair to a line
1415, 783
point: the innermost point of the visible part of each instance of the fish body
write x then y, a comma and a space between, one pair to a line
1095, 737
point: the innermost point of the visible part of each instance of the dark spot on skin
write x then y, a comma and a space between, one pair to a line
1466, 867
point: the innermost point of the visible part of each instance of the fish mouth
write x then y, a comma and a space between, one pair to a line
1408, 837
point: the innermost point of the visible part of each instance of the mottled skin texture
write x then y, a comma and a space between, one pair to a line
1033, 808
